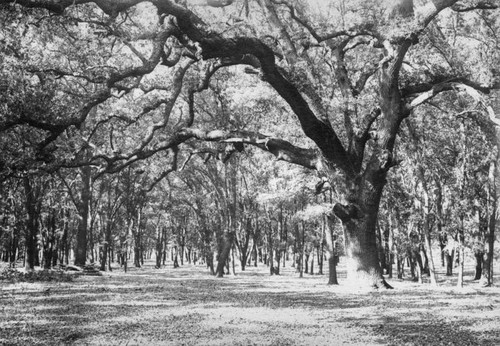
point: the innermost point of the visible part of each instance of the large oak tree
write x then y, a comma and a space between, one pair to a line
350, 72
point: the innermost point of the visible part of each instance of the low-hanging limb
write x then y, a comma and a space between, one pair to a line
472, 89
215, 46
281, 149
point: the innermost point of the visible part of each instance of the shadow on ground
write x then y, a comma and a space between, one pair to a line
186, 306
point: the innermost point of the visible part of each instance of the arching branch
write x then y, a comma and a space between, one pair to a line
281, 149
429, 91
480, 5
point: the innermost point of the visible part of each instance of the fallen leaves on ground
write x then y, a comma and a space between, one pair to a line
186, 306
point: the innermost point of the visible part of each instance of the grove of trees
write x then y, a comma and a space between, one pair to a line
247, 131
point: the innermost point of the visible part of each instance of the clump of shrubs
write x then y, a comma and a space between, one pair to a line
13, 275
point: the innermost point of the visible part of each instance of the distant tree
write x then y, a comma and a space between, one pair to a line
349, 74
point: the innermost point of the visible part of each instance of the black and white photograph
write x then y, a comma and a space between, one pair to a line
250, 172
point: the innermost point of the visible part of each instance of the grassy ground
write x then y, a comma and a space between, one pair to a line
186, 306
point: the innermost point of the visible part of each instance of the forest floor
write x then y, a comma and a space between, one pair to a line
187, 306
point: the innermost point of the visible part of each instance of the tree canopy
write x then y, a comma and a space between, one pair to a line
361, 94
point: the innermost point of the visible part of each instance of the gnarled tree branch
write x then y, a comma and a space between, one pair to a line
281, 149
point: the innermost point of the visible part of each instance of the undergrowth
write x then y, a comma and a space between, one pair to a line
13, 275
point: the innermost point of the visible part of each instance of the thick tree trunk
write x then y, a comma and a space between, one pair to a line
362, 261
362, 256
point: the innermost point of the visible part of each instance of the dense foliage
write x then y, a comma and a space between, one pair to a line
250, 131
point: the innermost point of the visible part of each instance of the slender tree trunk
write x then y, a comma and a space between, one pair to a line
417, 263
13, 248
391, 248
278, 262
443, 237
224, 254
400, 265
479, 256
427, 240
461, 255
302, 252
243, 246
312, 262
106, 244
319, 252
31, 223
329, 225
461, 180
183, 247
243, 260
137, 241
233, 262
271, 250
175, 256
381, 248
306, 263
488, 268
487, 277
83, 213
450, 255
332, 270
210, 262
159, 246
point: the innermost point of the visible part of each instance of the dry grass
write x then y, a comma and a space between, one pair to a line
186, 306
